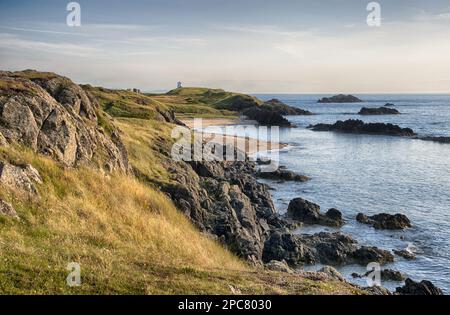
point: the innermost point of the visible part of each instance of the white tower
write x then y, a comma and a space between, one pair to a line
179, 85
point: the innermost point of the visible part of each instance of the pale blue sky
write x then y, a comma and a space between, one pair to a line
247, 45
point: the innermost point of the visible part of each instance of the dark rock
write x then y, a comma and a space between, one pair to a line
266, 117
287, 247
307, 212
389, 105
419, 288
284, 175
359, 127
378, 111
367, 254
405, 254
341, 98
283, 109
385, 221
392, 275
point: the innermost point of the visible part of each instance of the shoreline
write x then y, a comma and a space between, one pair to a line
252, 145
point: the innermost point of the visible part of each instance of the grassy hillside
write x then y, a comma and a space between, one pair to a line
127, 236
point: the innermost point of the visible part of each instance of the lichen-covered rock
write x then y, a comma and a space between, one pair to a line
332, 273
19, 177
3, 141
54, 116
7, 210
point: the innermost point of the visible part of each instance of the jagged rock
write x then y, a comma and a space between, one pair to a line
54, 116
281, 108
332, 273
378, 111
266, 117
19, 177
424, 287
367, 254
405, 254
359, 127
341, 98
309, 213
389, 105
7, 210
280, 266
385, 221
284, 175
297, 250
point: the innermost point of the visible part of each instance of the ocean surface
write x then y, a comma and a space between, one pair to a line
374, 174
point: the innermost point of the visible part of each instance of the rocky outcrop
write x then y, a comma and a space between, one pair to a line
20, 177
266, 117
281, 108
368, 254
53, 116
7, 210
424, 287
283, 175
307, 212
341, 98
378, 111
359, 127
389, 105
226, 200
3, 141
405, 254
325, 248
385, 221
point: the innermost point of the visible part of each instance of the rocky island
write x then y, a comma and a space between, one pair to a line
359, 127
378, 111
341, 98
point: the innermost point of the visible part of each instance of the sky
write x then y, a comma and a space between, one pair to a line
252, 46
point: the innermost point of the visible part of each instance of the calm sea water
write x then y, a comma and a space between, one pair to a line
373, 174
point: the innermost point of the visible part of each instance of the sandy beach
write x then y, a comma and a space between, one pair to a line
252, 146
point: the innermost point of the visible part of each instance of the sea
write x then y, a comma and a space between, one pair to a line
374, 174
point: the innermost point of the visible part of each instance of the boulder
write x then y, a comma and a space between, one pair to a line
368, 254
405, 254
341, 98
385, 221
389, 105
7, 210
19, 177
378, 111
307, 212
283, 175
392, 275
359, 127
424, 287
